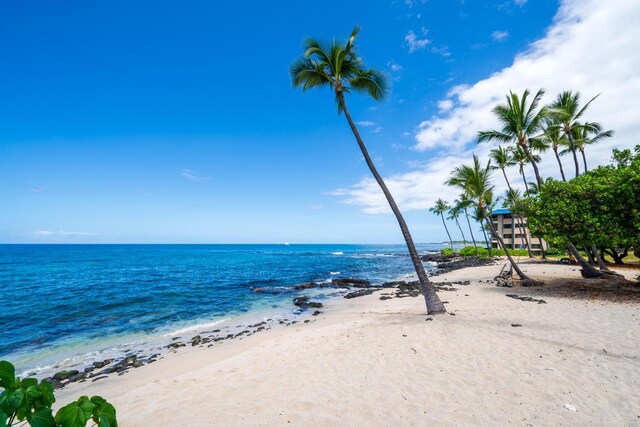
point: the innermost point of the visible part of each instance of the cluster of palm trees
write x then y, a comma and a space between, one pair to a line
460, 206
527, 132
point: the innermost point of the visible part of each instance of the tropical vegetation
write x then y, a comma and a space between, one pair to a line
337, 66
29, 401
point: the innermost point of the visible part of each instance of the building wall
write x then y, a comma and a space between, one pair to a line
509, 229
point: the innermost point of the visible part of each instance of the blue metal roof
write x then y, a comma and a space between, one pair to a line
501, 212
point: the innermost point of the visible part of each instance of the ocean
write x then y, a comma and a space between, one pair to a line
69, 305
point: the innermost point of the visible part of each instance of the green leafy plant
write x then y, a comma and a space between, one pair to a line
29, 400
447, 252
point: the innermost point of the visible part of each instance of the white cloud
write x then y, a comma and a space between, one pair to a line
414, 42
394, 67
499, 36
445, 105
38, 190
366, 123
192, 175
571, 56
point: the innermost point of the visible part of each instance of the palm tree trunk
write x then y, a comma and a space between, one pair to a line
464, 239
527, 281
533, 163
489, 243
447, 230
584, 160
588, 270
587, 251
526, 187
555, 150
431, 299
575, 162
507, 179
601, 263
544, 255
473, 239
524, 235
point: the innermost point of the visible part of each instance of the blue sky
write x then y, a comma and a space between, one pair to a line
176, 122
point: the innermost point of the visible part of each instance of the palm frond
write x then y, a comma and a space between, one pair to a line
371, 82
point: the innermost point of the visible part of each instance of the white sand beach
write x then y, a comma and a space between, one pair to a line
572, 362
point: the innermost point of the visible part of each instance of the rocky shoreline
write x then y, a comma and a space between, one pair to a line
347, 287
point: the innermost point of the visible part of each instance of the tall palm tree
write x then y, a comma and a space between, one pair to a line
439, 209
475, 180
520, 122
502, 159
588, 134
454, 214
338, 67
567, 112
464, 203
555, 138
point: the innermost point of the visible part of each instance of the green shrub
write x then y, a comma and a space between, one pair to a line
447, 252
471, 251
30, 401
556, 252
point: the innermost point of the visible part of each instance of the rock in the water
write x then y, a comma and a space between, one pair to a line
350, 282
315, 304
63, 375
300, 301
309, 285
197, 340
175, 345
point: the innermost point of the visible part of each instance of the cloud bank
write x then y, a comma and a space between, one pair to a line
588, 48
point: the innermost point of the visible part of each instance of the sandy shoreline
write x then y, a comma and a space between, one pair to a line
371, 362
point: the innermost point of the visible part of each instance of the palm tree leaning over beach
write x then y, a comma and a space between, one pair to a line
520, 122
439, 209
337, 67
475, 180
462, 204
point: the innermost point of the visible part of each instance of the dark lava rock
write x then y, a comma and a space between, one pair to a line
99, 378
315, 313
385, 297
350, 282
436, 257
176, 345
428, 319
300, 301
89, 369
314, 304
516, 325
197, 340
309, 285
63, 375
360, 293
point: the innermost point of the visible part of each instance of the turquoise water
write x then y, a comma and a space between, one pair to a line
71, 302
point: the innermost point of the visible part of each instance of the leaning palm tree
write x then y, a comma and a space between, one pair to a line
479, 217
439, 209
337, 66
566, 112
464, 203
454, 214
520, 122
589, 133
502, 159
475, 180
